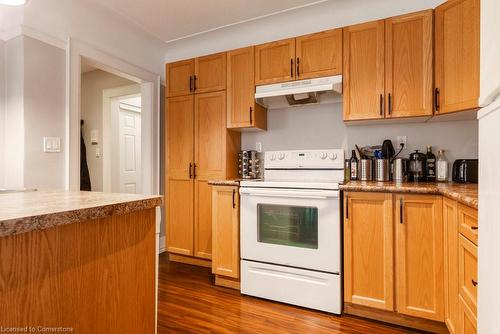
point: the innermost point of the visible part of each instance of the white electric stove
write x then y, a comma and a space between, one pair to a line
290, 229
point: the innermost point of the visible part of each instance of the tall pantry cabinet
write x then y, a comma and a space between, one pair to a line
199, 148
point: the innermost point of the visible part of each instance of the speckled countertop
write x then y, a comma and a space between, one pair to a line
231, 182
463, 193
37, 210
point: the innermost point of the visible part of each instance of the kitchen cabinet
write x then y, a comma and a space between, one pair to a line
199, 75
369, 250
363, 71
408, 65
468, 320
457, 55
467, 272
242, 110
450, 222
199, 148
467, 222
275, 62
419, 256
226, 232
319, 54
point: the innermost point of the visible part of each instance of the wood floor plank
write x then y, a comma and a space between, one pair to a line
190, 303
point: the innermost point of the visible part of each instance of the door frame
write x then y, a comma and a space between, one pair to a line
150, 116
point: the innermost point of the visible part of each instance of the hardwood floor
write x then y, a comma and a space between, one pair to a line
190, 303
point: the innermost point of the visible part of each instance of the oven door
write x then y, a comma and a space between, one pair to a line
292, 227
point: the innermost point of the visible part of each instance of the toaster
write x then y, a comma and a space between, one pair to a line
465, 170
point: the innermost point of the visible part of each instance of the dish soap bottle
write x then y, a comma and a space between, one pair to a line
442, 167
430, 165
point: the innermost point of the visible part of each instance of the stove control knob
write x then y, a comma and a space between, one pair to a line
322, 155
273, 157
281, 156
332, 156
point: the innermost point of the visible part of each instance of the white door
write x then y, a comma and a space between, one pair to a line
129, 139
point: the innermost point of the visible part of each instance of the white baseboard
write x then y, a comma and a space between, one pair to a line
163, 246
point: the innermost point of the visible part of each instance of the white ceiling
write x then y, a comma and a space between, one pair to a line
171, 20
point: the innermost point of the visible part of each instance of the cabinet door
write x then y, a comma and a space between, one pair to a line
457, 55
450, 223
275, 62
226, 231
202, 219
240, 87
210, 73
319, 55
363, 72
467, 272
467, 222
180, 76
468, 320
368, 250
210, 133
419, 256
408, 65
180, 137
180, 217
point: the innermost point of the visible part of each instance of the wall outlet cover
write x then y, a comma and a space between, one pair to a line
51, 144
402, 140
258, 146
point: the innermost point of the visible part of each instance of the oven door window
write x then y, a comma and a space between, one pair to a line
294, 226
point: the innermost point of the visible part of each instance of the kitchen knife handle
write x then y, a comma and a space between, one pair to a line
291, 67
298, 66
381, 104
436, 98
401, 210
234, 202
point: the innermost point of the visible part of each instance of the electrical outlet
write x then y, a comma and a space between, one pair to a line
402, 140
258, 146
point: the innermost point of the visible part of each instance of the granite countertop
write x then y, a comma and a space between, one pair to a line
23, 212
230, 182
463, 193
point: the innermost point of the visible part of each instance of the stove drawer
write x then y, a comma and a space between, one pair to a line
306, 288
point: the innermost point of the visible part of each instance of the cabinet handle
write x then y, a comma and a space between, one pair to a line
401, 211
474, 282
346, 207
190, 170
473, 227
190, 83
298, 66
251, 118
194, 171
436, 98
291, 67
389, 102
194, 86
234, 202
381, 104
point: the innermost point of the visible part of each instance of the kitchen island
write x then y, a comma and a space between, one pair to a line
79, 262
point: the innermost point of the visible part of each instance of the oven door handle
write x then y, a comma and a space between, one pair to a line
317, 194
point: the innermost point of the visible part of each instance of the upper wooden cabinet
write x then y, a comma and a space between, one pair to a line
408, 65
210, 73
319, 55
363, 71
199, 75
419, 256
242, 110
275, 62
369, 250
457, 55
179, 78
180, 137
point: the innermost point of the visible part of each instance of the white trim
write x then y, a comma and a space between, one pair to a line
10, 34
495, 105
78, 50
107, 96
43, 37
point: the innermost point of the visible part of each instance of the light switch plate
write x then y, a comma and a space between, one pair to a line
51, 144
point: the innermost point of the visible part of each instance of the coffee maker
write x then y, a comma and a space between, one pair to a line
417, 167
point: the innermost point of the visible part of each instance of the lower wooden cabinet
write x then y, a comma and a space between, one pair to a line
369, 250
419, 256
226, 235
467, 318
450, 222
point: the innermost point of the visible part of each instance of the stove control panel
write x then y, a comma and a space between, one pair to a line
328, 158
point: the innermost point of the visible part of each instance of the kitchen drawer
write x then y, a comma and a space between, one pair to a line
468, 320
467, 272
467, 221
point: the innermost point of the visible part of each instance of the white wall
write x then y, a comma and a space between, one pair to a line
44, 113
321, 126
326, 15
92, 86
490, 51
14, 114
2, 111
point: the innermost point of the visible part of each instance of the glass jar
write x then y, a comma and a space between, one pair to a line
442, 167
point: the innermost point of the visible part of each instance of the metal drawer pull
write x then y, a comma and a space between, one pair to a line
401, 211
474, 227
234, 203
474, 282
190, 170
